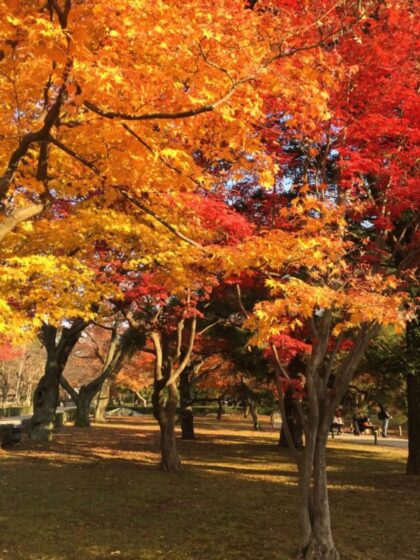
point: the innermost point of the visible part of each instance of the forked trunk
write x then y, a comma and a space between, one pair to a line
103, 401
46, 397
320, 544
46, 400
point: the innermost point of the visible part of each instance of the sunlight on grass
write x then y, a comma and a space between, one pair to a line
98, 494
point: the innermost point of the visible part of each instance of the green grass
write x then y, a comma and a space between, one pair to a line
97, 494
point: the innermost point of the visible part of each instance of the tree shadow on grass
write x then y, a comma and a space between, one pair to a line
97, 494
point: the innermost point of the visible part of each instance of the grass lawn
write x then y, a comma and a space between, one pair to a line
98, 493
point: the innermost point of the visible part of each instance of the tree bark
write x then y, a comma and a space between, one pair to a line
220, 409
323, 393
320, 545
103, 401
186, 414
82, 418
413, 400
46, 401
294, 422
46, 396
165, 413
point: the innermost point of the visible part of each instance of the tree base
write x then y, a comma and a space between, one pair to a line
413, 469
174, 467
41, 432
318, 551
82, 422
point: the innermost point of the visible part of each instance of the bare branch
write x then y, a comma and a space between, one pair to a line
18, 216
155, 336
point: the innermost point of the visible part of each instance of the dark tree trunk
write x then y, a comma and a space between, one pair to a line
294, 422
84, 401
46, 400
103, 401
46, 397
165, 413
413, 399
186, 414
187, 422
220, 410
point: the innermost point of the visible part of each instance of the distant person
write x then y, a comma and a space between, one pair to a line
384, 416
338, 422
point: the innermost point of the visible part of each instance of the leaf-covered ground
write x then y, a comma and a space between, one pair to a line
97, 494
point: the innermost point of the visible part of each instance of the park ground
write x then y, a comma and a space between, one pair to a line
98, 493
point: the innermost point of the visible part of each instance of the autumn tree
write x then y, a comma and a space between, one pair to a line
122, 344
315, 285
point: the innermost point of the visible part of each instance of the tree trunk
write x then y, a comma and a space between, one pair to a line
45, 402
141, 400
294, 423
187, 422
165, 414
84, 401
186, 414
220, 408
413, 398
46, 397
103, 401
320, 545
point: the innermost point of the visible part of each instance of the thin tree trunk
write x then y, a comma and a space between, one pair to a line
186, 414
140, 398
294, 423
165, 414
413, 398
220, 408
413, 401
103, 401
320, 545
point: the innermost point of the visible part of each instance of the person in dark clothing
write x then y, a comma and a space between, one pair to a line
384, 417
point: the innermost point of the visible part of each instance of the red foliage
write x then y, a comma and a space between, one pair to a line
287, 348
294, 386
8, 352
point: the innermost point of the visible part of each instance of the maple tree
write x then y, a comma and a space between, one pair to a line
143, 160
378, 113
327, 282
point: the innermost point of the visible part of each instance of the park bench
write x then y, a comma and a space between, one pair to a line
364, 425
11, 430
13, 427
